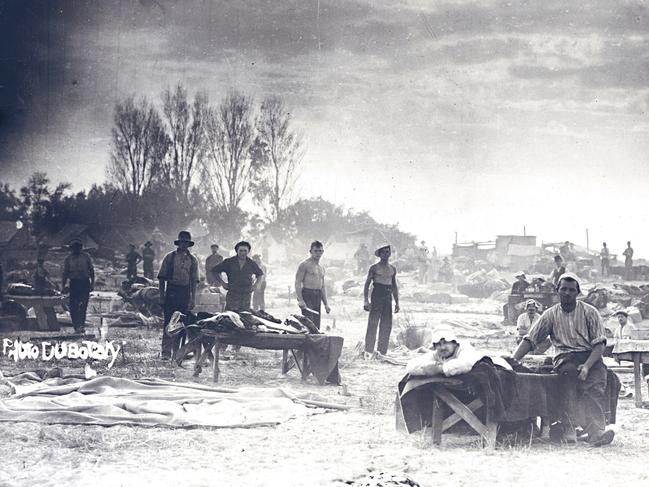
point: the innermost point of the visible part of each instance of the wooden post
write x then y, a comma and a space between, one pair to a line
284, 361
637, 379
437, 421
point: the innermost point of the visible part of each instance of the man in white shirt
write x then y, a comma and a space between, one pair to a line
625, 327
449, 356
527, 319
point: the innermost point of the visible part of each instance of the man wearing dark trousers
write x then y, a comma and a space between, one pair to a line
577, 333
309, 285
148, 256
311, 293
133, 258
240, 270
178, 277
383, 277
79, 270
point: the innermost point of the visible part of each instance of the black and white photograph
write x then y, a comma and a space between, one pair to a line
307, 243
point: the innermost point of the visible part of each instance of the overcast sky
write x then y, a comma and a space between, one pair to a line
479, 118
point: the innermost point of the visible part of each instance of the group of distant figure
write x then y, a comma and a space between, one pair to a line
428, 265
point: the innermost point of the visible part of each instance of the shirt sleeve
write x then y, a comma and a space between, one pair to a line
257, 270
220, 267
428, 358
520, 323
540, 330
596, 331
163, 273
463, 362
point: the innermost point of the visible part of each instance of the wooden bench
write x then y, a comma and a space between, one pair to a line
449, 395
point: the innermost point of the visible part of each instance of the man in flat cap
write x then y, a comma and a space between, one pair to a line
383, 277
79, 270
240, 270
578, 336
178, 277
211, 262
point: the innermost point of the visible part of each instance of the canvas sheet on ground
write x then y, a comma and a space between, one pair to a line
111, 401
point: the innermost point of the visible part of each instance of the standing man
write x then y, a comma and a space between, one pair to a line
362, 257
422, 260
40, 278
383, 277
258, 299
558, 271
577, 333
178, 276
628, 262
211, 262
309, 285
79, 270
604, 256
148, 256
240, 270
132, 260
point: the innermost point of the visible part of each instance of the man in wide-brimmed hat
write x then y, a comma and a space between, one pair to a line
577, 333
240, 270
79, 270
383, 277
521, 283
178, 277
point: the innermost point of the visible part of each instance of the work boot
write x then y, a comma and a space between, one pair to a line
604, 439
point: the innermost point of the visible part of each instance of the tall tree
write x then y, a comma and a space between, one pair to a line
276, 153
186, 135
139, 146
41, 203
228, 134
10, 205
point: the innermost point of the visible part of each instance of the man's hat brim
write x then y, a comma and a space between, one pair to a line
378, 251
177, 242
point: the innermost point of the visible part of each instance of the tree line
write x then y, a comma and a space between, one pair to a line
218, 154
186, 160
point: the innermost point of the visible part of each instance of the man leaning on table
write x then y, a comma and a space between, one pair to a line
578, 336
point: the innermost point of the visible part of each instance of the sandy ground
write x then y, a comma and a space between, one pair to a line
327, 449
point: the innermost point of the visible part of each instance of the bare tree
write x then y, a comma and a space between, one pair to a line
139, 146
276, 153
186, 135
228, 133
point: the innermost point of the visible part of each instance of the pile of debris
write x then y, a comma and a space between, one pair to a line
482, 284
628, 297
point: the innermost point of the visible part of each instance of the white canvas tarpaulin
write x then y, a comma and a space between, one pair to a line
110, 401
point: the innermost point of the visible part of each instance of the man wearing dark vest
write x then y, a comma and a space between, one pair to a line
178, 277
79, 270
